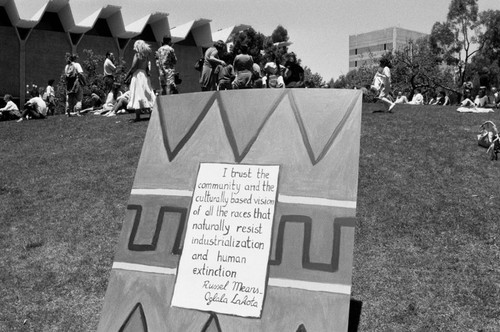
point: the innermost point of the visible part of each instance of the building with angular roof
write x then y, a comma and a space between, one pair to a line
34, 49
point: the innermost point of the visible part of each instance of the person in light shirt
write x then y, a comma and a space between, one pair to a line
401, 98
10, 111
74, 85
109, 71
382, 84
417, 98
35, 108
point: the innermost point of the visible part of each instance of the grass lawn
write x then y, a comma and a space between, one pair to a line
427, 254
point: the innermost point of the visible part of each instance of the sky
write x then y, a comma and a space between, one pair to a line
318, 29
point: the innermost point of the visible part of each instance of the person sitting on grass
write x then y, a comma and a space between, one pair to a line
417, 98
401, 98
35, 108
111, 99
120, 107
481, 100
10, 111
493, 98
443, 99
434, 98
94, 100
467, 99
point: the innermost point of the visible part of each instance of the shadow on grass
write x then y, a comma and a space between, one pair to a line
354, 315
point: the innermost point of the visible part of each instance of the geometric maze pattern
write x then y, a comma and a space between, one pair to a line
176, 250
285, 220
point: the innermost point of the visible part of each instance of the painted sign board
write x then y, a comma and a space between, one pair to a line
307, 140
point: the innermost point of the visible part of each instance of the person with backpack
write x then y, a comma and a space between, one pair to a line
166, 61
75, 81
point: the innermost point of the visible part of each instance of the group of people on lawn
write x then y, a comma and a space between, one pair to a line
218, 72
381, 86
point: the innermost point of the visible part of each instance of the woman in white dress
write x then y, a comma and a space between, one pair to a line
141, 93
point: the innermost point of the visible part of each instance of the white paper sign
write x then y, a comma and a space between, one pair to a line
224, 259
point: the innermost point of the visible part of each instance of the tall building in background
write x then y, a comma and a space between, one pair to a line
368, 47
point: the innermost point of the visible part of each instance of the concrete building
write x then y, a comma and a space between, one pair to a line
33, 49
368, 48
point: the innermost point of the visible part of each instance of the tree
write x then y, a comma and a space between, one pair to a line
415, 65
313, 80
455, 41
488, 56
253, 40
490, 37
280, 34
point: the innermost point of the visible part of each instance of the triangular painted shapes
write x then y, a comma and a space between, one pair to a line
212, 324
180, 115
321, 125
136, 321
244, 121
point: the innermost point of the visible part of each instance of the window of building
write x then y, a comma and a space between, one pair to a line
355, 51
355, 63
385, 47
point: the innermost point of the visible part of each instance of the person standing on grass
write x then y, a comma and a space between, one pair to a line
166, 61
109, 69
74, 85
142, 95
243, 68
211, 60
10, 111
382, 84
49, 96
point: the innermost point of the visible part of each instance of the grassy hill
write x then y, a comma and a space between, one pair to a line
427, 254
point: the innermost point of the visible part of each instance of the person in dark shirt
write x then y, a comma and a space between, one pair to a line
294, 74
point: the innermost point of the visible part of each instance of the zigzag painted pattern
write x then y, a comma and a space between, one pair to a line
174, 139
